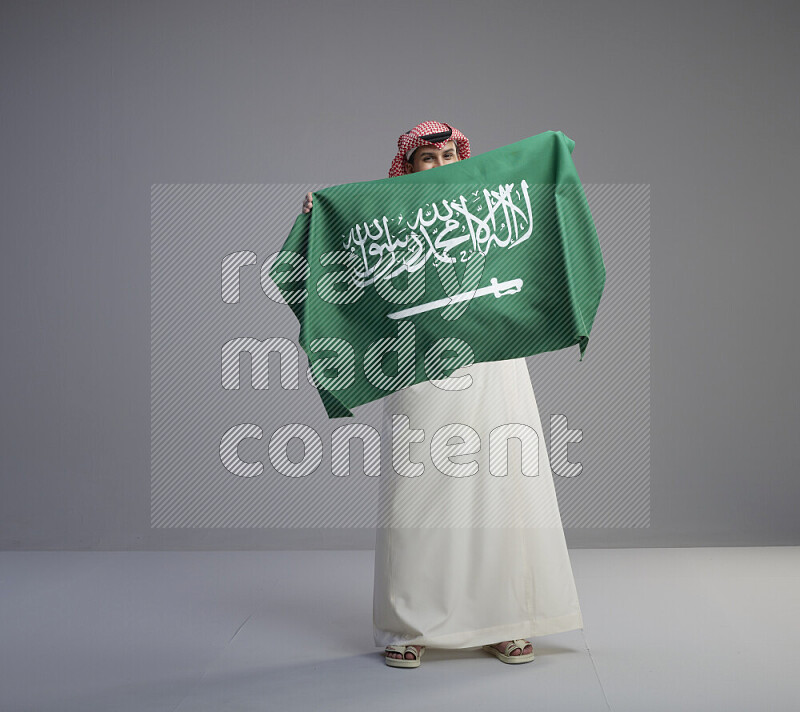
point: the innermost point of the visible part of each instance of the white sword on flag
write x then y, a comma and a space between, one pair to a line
499, 289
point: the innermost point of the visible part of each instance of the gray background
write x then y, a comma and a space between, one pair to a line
102, 100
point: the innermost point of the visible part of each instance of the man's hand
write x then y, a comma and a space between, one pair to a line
307, 203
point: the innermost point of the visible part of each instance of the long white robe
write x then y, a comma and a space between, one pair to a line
476, 555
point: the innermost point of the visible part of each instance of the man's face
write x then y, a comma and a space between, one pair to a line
426, 157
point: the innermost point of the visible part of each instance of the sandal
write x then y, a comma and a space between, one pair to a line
506, 656
403, 662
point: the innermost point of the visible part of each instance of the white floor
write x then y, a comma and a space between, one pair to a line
666, 629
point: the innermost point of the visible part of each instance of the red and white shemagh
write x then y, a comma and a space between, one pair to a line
439, 132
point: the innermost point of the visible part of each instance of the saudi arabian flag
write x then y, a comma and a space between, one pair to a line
402, 280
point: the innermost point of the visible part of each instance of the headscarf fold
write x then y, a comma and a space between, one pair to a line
427, 133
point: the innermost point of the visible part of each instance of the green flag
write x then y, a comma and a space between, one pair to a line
405, 279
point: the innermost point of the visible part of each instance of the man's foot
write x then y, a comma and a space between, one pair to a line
501, 647
408, 656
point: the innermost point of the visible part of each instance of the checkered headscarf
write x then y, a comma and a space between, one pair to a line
430, 133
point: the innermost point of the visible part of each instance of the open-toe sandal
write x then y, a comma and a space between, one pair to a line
403, 662
513, 645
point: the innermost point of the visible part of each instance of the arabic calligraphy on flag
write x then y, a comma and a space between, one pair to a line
445, 230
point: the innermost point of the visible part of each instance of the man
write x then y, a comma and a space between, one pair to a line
428, 145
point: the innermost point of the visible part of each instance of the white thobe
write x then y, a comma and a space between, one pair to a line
469, 550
